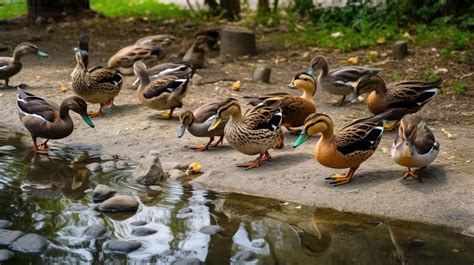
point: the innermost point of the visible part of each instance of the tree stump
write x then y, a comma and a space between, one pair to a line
262, 73
400, 50
237, 42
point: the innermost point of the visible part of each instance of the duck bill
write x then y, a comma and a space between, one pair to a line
301, 139
216, 123
181, 130
88, 120
310, 70
291, 86
41, 53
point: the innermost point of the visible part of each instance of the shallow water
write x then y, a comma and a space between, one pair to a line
50, 195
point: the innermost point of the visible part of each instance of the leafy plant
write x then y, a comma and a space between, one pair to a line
460, 87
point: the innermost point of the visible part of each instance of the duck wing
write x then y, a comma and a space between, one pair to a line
165, 84
262, 117
106, 75
411, 94
31, 105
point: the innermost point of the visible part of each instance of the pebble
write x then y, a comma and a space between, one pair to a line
262, 73
258, 243
143, 231
187, 261
121, 164
155, 187
196, 80
211, 229
5, 255
149, 171
94, 167
102, 192
138, 223
469, 231
94, 231
50, 29
123, 246
5, 224
108, 166
106, 157
8, 236
119, 203
185, 210
244, 256
30, 243
7, 148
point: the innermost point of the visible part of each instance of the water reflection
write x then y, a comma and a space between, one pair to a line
49, 195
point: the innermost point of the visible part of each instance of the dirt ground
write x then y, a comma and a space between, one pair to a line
445, 196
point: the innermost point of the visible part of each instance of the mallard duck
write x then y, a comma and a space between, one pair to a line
198, 122
403, 97
96, 85
46, 119
162, 93
161, 40
10, 66
295, 108
124, 59
180, 70
251, 134
415, 146
339, 81
196, 54
350, 147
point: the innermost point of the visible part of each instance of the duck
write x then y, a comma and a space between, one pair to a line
295, 108
163, 41
10, 66
45, 119
198, 122
339, 81
179, 69
353, 144
415, 146
253, 133
124, 59
97, 85
162, 93
196, 54
402, 97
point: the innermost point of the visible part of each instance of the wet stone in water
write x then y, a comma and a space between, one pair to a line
187, 261
5, 255
94, 231
149, 171
108, 166
138, 223
176, 174
102, 192
121, 164
185, 210
94, 167
106, 157
258, 243
7, 148
211, 229
155, 188
30, 243
119, 203
143, 231
5, 224
8, 236
245, 256
123, 246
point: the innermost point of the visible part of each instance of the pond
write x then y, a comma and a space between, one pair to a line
51, 196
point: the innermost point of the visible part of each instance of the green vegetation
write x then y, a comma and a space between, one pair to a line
9, 10
431, 75
460, 87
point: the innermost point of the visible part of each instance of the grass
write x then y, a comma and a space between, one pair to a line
460, 87
9, 10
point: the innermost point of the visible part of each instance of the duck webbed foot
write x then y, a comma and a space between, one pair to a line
205, 147
254, 164
413, 173
338, 180
40, 148
390, 126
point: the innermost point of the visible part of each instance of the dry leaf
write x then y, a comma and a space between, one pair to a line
380, 40
353, 60
448, 134
373, 54
62, 87
236, 86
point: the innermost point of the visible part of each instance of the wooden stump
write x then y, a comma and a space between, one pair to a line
237, 42
262, 73
400, 50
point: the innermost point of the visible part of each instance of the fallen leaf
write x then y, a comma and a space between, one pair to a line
447, 133
353, 60
441, 70
194, 168
62, 87
380, 40
236, 86
373, 54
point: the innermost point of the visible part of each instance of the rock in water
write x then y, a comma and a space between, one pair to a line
94, 231
187, 261
176, 174
400, 50
143, 231
211, 229
30, 243
123, 246
138, 223
149, 171
94, 167
108, 166
121, 164
244, 256
8, 236
102, 192
5, 255
7, 148
5, 224
119, 203
262, 73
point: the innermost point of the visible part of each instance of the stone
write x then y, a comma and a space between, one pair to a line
143, 231
138, 223
50, 20
108, 166
106, 157
5, 224
7, 148
149, 171
94, 231
94, 167
175, 165
40, 20
119, 203
5, 255
123, 246
244, 256
30, 243
469, 231
258, 243
196, 80
176, 174
8, 236
155, 188
121, 164
211, 229
187, 261
400, 50
237, 42
50, 29
185, 210
262, 73
102, 192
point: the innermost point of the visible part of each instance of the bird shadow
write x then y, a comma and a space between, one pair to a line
121, 109
432, 176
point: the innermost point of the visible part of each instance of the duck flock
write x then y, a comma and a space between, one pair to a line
254, 131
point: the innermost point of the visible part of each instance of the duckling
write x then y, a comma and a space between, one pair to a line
403, 97
124, 59
295, 108
10, 66
46, 119
339, 81
251, 134
196, 54
198, 122
349, 148
415, 146
96, 85
164, 92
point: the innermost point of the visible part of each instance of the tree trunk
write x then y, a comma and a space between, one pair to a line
263, 7
231, 7
213, 6
56, 8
